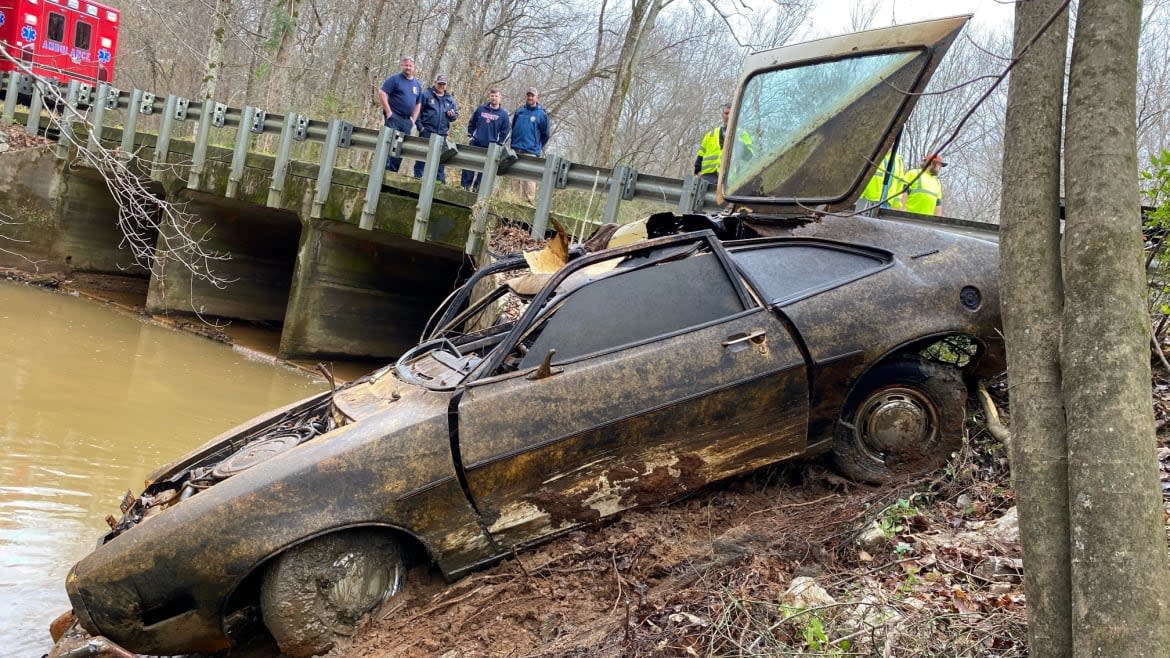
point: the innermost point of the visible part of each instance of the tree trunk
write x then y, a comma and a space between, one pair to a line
454, 25
1118, 546
258, 70
1031, 302
221, 16
337, 80
281, 44
642, 19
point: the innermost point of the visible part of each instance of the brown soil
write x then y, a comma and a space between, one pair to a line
708, 575
14, 135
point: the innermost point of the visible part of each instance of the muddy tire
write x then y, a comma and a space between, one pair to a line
316, 592
903, 418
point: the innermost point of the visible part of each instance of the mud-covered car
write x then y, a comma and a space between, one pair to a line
552, 390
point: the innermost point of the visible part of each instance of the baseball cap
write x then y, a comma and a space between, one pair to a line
531, 90
936, 158
440, 79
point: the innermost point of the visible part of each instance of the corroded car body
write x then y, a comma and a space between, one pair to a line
539, 402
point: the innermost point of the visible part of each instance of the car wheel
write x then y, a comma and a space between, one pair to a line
903, 418
315, 592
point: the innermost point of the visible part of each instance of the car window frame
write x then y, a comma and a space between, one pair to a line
764, 243
934, 36
489, 369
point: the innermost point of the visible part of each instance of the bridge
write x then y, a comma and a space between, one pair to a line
345, 257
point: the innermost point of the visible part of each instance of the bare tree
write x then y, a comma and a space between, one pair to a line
1032, 299
1117, 543
214, 63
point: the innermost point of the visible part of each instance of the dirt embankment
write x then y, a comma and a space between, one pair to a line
789, 561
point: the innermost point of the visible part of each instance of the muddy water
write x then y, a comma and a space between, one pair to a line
91, 400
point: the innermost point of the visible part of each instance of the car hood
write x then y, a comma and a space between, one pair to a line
810, 120
350, 403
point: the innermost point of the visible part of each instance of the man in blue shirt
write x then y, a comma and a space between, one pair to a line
400, 94
488, 123
438, 111
529, 133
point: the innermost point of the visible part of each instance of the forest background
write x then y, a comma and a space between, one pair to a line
635, 82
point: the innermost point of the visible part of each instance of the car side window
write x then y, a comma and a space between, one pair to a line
630, 307
786, 272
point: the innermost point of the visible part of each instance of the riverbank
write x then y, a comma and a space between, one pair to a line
128, 295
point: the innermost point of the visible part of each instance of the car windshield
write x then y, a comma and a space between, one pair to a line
807, 133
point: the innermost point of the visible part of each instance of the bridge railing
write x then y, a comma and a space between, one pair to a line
175, 113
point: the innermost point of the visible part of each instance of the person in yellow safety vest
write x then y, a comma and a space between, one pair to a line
711, 148
924, 193
893, 194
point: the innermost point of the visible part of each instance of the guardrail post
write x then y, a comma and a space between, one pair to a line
208, 111
33, 125
555, 172
11, 89
621, 186
65, 140
94, 143
426, 192
479, 211
162, 145
129, 126
377, 175
240, 154
280, 166
325, 170
691, 198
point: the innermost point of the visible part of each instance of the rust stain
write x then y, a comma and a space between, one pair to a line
665, 482
562, 508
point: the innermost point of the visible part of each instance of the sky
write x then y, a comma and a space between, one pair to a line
832, 16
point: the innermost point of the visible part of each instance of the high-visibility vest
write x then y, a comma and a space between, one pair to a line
710, 151
924, 194
873, 189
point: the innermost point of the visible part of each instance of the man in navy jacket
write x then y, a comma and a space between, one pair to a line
488, 123
438, 111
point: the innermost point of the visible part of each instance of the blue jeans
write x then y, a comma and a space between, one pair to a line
469, 179
403, 124
418, 164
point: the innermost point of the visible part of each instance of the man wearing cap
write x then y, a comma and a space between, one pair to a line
530, 132
400, 95
924, 193
438, 111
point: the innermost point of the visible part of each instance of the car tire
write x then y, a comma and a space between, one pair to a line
315, 593
903, 418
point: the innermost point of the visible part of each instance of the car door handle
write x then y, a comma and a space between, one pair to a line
757, 337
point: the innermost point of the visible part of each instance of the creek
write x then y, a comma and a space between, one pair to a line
92, 399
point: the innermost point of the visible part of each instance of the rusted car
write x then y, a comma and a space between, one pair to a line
546, 398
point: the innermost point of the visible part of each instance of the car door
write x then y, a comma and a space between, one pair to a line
666, 376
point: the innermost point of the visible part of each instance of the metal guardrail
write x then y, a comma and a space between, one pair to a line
621, 183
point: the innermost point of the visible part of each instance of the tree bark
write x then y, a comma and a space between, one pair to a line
221, 16
1031, 301
1118, 546
285, 19
642, 18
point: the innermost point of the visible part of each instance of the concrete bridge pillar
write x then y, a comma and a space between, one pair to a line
262, 244
362, 293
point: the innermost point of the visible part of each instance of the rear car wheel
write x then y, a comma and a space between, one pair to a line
316, 592
904, 418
